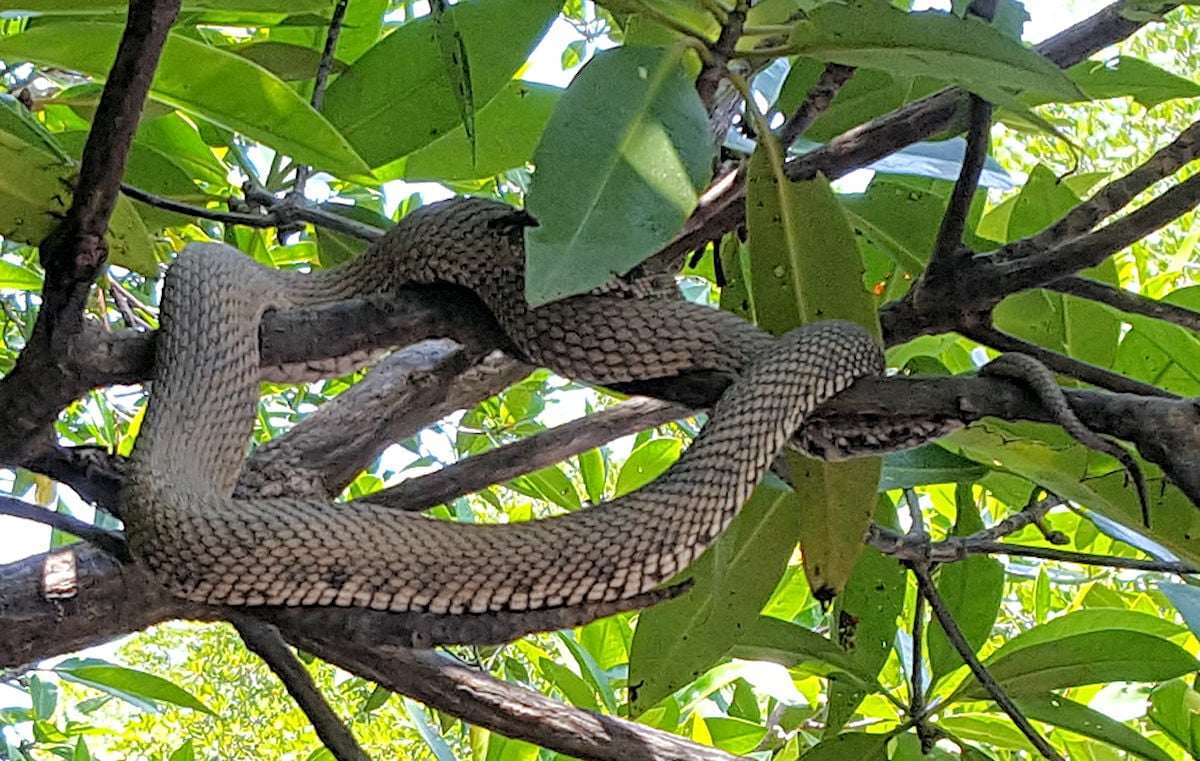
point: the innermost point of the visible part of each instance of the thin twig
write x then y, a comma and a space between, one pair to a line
945, 618
318, 95
1127, 301
112, 542
918, 535
1082, 558
715, 67
278, 213
1112, 197
815, 103
267, 643
527, 455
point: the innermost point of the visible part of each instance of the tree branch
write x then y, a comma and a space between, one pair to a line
528, 454
265, 641
946, 619
1127, 301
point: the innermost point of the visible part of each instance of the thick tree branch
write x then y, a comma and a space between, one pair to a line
116, 599
74, 251
404, 393
1111, 198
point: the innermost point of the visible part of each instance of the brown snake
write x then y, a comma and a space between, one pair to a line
207, 546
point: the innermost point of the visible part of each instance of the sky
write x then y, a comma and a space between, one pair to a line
24, 538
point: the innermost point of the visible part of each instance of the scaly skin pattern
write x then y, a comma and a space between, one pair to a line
207, 546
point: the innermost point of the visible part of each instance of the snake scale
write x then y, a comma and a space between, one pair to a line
206, 546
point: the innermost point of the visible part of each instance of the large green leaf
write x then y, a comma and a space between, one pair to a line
857, 745
864, 616
792, 645
400, 96
646, 463
805, 267
1061, 712
1085, 647
35, 191
138, 688
677, 641
1121, 76
966, 51
202, 79
1049, 457
619, 166
1164, 354
506, 131
1175, 709
927, 464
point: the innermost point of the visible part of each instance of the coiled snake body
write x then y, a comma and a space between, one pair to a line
206, 546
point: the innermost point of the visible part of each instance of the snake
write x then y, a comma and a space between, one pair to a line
183, 522
205, 545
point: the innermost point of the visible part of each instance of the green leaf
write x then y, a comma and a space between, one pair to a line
793, 646
75, 7
205, 80
1122, 76
577, 691
43, 696
734, 735
646, 463
432, 737
619, 166
35, 191
927, 464
592, 470
865, 619
137, 688
185, 752
1082, 720
1048, 456
458, 66
1086, 621
507, 129
385, 118
1175, 709
856, 745
1108, 655
1186, 600
591, 671
965, 51
551, 484
806, 267
378, 697
17, 277
677, 641
972, 590
81, 752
